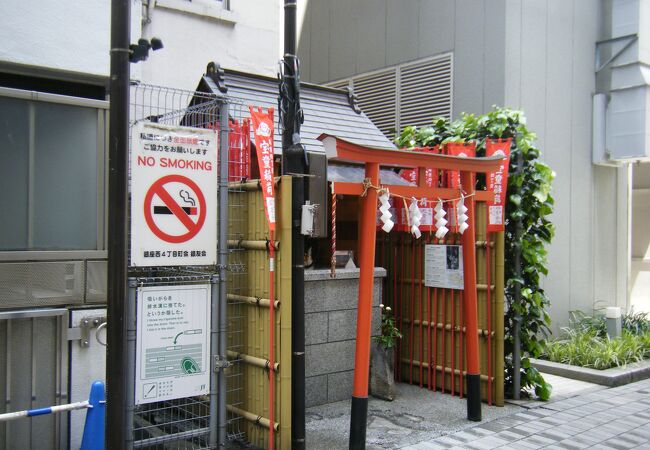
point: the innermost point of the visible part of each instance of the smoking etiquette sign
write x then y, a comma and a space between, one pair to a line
173, 332
173, 196
443, 266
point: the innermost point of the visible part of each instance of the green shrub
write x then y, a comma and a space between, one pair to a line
586, 349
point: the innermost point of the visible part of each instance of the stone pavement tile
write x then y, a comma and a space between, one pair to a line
554, 434
586, 438
599, 447
600, 434
524, 429
447, 440
570, 444
618, 444
465, 436
543, 411
487, 443
424, 446
642, 432
510, 436
495, 426
634, 438
527, 443
553, 420
623, 425
539, 440
510, 421
635, 419
644, 414
567, 429
482, 431
581, 425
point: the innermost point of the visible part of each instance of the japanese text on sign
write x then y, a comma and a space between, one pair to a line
173, 330
263, 130
497, 182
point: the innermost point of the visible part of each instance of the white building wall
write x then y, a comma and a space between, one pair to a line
61, 35
550, 67
194, 33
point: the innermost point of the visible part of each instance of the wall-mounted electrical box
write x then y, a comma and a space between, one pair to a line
318, 194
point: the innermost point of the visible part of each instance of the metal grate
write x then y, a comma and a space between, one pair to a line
183, 423
377, 94
408, 94
425, 91
237, 271
39, 284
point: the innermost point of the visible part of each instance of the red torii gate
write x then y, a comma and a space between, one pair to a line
344, 151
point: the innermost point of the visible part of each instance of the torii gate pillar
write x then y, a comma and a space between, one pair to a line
367, 241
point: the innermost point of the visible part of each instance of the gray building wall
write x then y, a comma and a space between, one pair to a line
534, 55
341, 38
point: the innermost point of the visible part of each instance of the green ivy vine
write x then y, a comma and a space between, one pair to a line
528, 230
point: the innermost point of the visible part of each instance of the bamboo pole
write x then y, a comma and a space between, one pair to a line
498, 319
258, 301
253, 360
479, 286
447, 327
446, 370
251, 244
249, 185
254, 418
284, 292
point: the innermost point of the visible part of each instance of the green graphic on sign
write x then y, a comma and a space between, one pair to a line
189, 365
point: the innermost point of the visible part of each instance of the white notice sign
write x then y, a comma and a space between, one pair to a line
173, 196
443, 266
173, 342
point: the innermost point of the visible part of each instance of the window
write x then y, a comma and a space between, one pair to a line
409, 94
51, 172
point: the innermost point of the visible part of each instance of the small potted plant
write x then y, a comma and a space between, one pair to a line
382, 382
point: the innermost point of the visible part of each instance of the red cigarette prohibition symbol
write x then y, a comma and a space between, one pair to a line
158, 188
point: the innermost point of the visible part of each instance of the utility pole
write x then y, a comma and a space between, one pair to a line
294, 163
117, 224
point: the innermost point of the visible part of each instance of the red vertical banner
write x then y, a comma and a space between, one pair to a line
497, 183
466, 150
263, 130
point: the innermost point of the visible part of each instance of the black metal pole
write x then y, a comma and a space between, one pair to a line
516, 337
294, 162
117, 225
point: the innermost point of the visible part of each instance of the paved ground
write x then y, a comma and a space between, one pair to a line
617, 418
579, 415
416, 415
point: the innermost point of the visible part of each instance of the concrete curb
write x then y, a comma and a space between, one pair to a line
616, 376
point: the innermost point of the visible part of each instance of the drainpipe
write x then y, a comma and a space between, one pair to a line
117, 225
294, 163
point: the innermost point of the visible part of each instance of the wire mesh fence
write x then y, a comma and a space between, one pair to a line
184, 423
239, 170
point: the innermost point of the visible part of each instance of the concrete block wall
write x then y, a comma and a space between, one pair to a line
330, 331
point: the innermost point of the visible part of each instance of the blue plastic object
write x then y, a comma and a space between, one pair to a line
93, 437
